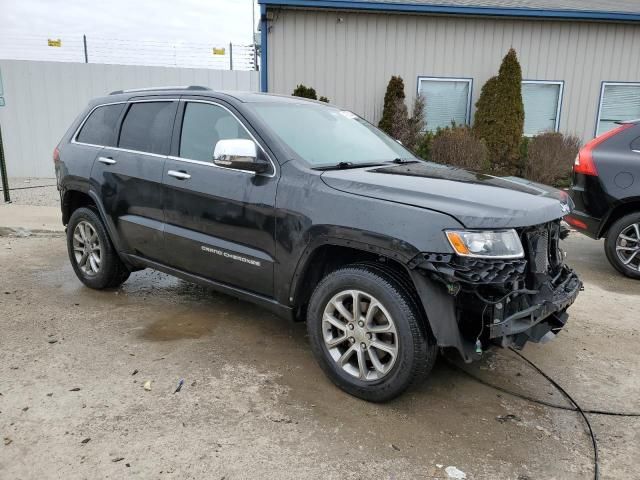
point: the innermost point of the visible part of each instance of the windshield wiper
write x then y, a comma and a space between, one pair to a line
342, 165
403, 160
346, 165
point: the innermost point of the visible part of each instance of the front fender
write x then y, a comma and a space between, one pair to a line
440, 309
364, 242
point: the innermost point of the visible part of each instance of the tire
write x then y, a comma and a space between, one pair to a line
415, 347
627, 245
102, 267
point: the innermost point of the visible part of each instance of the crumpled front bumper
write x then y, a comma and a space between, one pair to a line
545, 316
470, 303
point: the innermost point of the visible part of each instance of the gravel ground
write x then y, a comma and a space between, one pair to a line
40, 192
254, 404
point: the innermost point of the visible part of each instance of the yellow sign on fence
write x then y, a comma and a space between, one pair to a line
54, 43
218, 51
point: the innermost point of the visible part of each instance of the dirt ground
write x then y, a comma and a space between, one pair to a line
254, 404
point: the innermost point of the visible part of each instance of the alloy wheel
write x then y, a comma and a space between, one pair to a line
628, 246
87, 250
360, 335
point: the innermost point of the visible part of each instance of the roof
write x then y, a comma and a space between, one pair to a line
608, 10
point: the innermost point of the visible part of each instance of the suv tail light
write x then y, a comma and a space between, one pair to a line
584, 163
56, 155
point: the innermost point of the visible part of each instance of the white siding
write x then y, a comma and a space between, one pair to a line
43, 98
351, 61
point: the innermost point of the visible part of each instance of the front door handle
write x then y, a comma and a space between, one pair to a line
106, 160
179, 175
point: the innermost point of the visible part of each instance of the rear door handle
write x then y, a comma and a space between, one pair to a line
106, 160
179, 175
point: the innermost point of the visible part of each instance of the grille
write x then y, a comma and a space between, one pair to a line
543, 247
541, 252
474, 271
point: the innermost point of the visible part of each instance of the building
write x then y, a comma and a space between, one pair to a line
580, 58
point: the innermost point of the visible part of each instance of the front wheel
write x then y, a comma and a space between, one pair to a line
622, 245
365, 332
92, 255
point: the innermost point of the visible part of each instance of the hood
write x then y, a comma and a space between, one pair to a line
476, 200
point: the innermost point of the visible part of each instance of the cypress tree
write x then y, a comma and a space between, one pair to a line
499, 118
394, 94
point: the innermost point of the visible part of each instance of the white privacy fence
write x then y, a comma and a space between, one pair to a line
43, 98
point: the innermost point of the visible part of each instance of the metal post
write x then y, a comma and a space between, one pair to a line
86, 54
253, 33
3, 172
230, 56
255, 58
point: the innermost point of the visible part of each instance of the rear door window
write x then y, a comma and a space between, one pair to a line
147, 127
100, 127
203, 125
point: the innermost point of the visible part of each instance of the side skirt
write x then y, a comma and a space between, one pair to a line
265, 302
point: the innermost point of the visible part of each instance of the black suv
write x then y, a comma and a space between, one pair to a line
313, 213
606, 192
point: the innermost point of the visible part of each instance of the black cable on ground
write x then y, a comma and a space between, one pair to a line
575, 408
541, 402
594, 443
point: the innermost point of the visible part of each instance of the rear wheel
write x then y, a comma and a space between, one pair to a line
365, 333
622, 245
94, 260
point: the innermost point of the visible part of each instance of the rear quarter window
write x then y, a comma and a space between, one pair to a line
147, 127
100, 127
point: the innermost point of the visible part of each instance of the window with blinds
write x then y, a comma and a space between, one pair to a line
447, 100
542, 101
618, 101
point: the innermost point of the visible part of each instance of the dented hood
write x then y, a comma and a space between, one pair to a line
476, 200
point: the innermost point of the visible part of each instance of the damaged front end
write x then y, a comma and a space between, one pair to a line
471, 302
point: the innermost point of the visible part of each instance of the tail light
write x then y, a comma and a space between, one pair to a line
56, 155
584, 161
574, 222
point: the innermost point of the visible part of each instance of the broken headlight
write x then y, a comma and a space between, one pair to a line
486, 243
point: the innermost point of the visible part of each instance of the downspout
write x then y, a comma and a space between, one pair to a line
264, 74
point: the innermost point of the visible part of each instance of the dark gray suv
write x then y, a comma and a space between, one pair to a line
313, 213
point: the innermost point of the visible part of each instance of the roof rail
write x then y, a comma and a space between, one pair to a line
151, 89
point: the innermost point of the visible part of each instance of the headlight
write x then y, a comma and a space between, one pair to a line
486, 243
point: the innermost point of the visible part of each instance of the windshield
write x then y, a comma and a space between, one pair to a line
325, 136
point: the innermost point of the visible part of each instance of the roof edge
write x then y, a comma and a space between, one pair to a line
458, 10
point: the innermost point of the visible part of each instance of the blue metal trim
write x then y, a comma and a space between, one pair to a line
561, 101
470, 102
458, 10
600, 95
436, 77
264, 27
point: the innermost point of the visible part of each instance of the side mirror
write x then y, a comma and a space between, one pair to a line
240, 154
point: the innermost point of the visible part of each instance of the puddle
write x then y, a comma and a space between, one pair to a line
187, 325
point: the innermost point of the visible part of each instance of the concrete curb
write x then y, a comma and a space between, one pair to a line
20, 219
